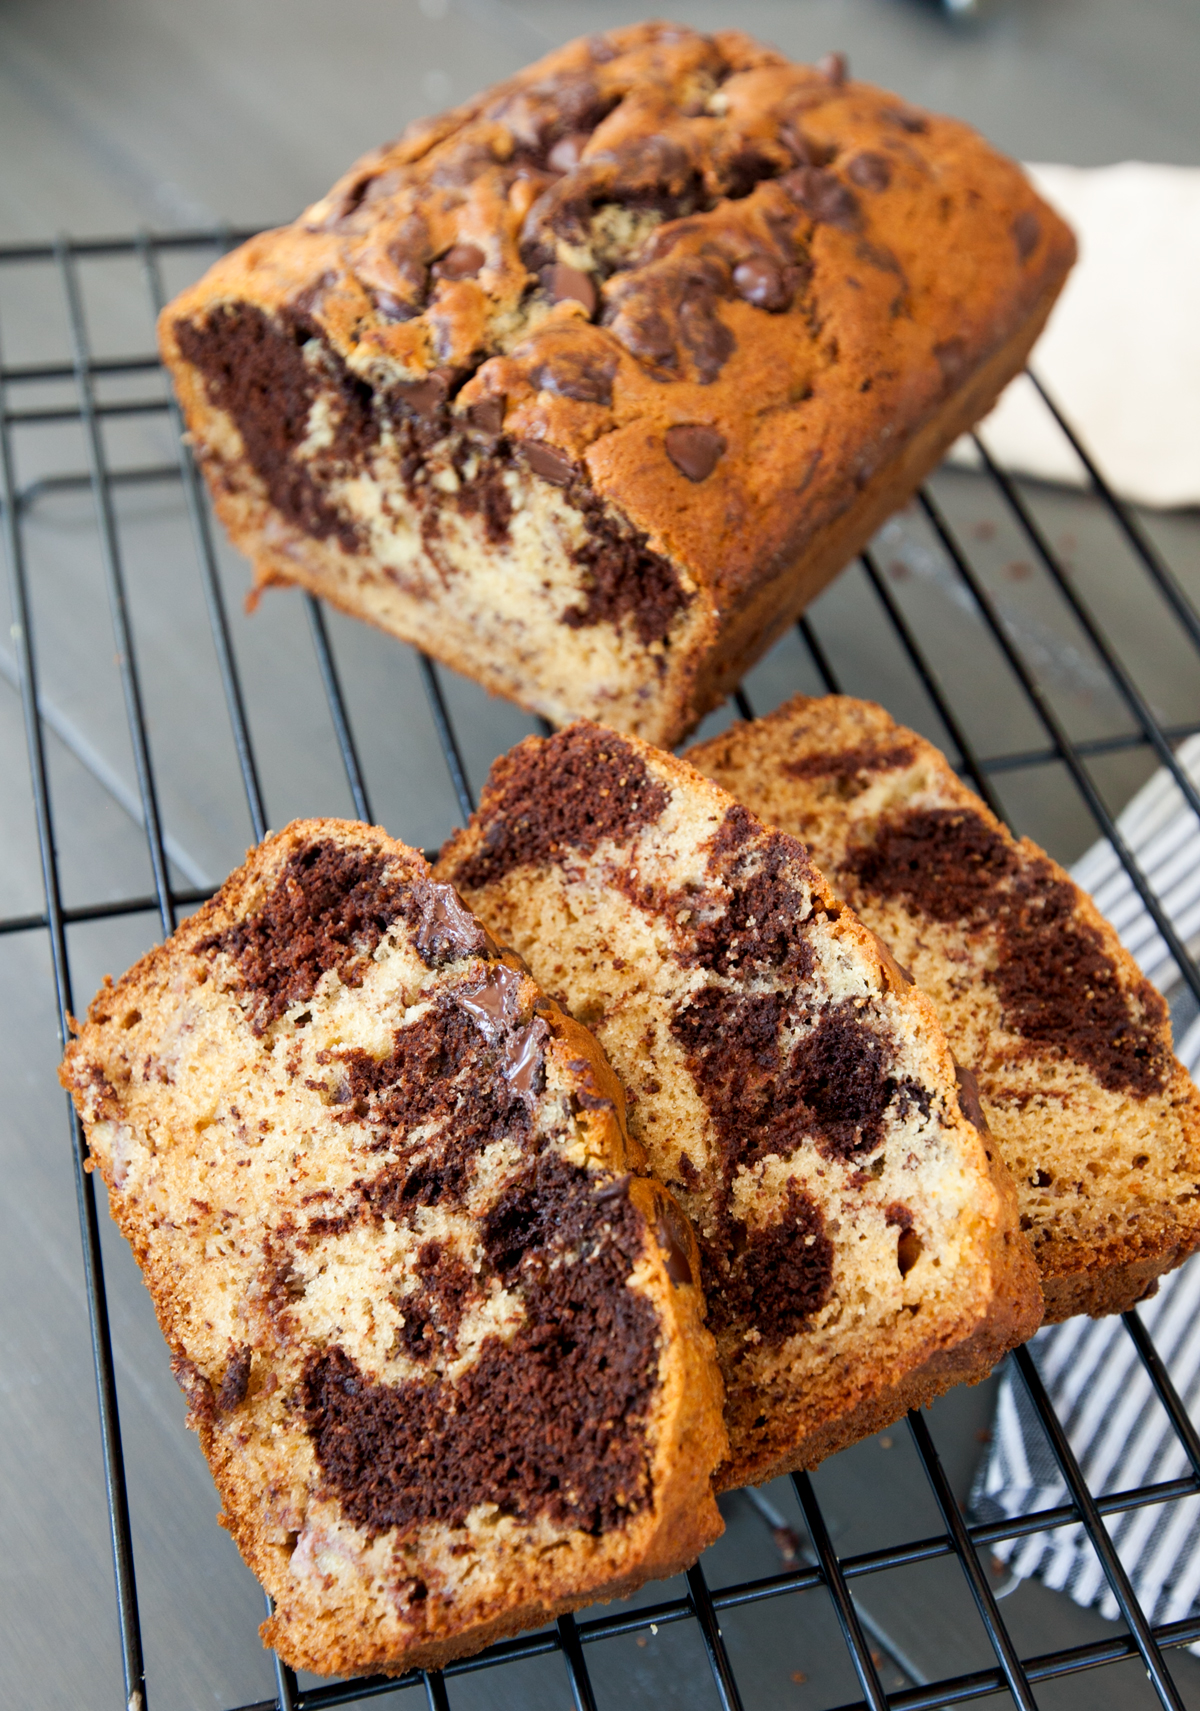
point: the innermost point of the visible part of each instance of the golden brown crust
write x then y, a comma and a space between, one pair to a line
814, 285
696, 944
243, 1180
1106, 1157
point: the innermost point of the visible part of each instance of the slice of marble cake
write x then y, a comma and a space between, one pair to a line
441, 1337
1071, 1045
860, 1244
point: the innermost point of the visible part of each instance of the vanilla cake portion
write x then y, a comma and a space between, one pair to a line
441, 1337
1070, 1044
860, 1248
590, 384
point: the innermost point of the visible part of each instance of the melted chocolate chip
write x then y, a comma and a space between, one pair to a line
762, 282
834, 68
822, 196
708, 341
462, 262
581, 374
646, 334
548, 799
869, 170
492, 1005
1027, 231
695, 449
548, 462
524, 1057
446, 929
392, 308
487, 414
570, 284
425, 398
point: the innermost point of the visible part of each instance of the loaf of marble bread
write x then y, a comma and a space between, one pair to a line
1070, 1045
589, 385
442, 1339
860, 1247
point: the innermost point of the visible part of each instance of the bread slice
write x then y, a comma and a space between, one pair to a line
860, 1248
1071, 1046
442, 1340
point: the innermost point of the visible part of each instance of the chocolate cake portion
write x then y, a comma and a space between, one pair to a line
590, 384
441, 1336
858, 1242
1068, 1045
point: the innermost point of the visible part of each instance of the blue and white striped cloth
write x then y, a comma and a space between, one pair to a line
1122, 1437
1117, 1428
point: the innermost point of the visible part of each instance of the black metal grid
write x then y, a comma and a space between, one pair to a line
92, 410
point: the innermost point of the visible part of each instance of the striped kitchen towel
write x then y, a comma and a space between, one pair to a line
1117, 1428
1123, 1438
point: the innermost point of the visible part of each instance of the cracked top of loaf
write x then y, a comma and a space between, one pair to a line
719, 286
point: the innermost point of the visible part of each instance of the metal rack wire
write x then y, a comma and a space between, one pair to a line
91, 409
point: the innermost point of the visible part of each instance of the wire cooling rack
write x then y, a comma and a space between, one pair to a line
1027, 689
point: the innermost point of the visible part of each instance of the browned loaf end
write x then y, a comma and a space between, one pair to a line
860, 1249
588, 386
1098, 1123
441, 1338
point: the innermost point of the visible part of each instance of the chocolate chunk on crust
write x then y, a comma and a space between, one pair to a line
694, 449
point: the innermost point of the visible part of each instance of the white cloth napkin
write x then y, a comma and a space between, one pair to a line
1121, 352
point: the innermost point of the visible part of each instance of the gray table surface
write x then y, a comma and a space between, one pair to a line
164, 114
